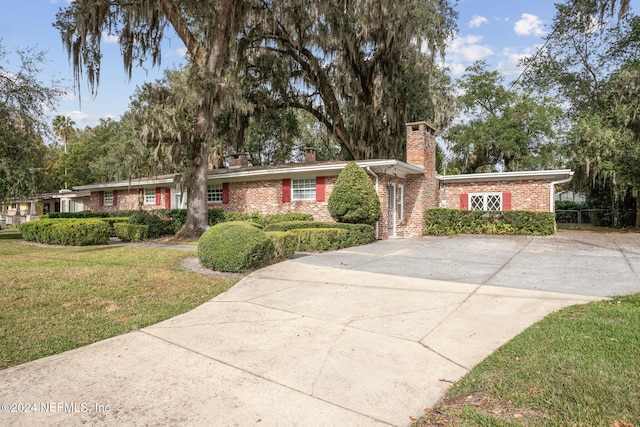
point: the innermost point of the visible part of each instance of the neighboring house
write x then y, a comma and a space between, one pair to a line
405, 189
569, 196
32, 208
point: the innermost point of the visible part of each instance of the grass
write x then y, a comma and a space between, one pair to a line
55, 299
10, 234
579, 366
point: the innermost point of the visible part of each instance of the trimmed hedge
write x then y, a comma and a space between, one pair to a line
285, 243
320, 239
158, 222
75, 232
131, 232
439, 221
235, 246
108, 217
216, 216
357, 234
168, 221
87, 214
285, 217
113, 221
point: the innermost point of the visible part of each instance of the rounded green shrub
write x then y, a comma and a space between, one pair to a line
354, 199
234, 246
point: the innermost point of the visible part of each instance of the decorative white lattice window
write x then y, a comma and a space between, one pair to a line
303, 189
214, 193
485, 201
108, 198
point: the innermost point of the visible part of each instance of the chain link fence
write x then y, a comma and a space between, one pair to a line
617, 218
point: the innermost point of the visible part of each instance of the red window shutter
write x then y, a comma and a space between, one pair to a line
320, 189
225, 193
167, 198
101, 197
115, 197
464, 201
286, 190
158, 189
506, 201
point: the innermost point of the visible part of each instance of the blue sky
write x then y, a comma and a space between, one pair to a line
497, 31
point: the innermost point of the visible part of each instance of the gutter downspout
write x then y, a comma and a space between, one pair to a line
377, 180
553, 191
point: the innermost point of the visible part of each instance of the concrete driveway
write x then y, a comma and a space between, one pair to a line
582, 263
364, 336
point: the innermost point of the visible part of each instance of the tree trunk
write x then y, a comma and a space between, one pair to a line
638, 210
197, 209
208, 62
197, 215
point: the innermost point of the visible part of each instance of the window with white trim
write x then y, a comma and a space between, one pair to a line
149, 196
485, 202
214, 193
303, 189
400, 203
108, 198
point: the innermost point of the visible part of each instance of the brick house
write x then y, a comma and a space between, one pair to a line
405, 189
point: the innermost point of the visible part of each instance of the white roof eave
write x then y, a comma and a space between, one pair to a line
125, 184
553, 175
378, 166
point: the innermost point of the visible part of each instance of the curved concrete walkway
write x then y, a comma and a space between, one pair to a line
363, 336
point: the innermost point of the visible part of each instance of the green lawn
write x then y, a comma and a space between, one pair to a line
579, 366
55, 299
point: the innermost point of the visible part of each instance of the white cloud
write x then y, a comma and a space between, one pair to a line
529, 25
468, 49
109, 38
462, 51
457, 69
182, 52
477, 21
108, 116
77, 116
509, 65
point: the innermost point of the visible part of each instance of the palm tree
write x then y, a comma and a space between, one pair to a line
64, 127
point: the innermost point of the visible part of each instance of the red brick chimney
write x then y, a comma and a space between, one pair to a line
421, 191
421, 146
238, 160
309, 155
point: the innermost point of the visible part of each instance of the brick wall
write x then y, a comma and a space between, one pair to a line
126, 200
525, 195
265, 197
